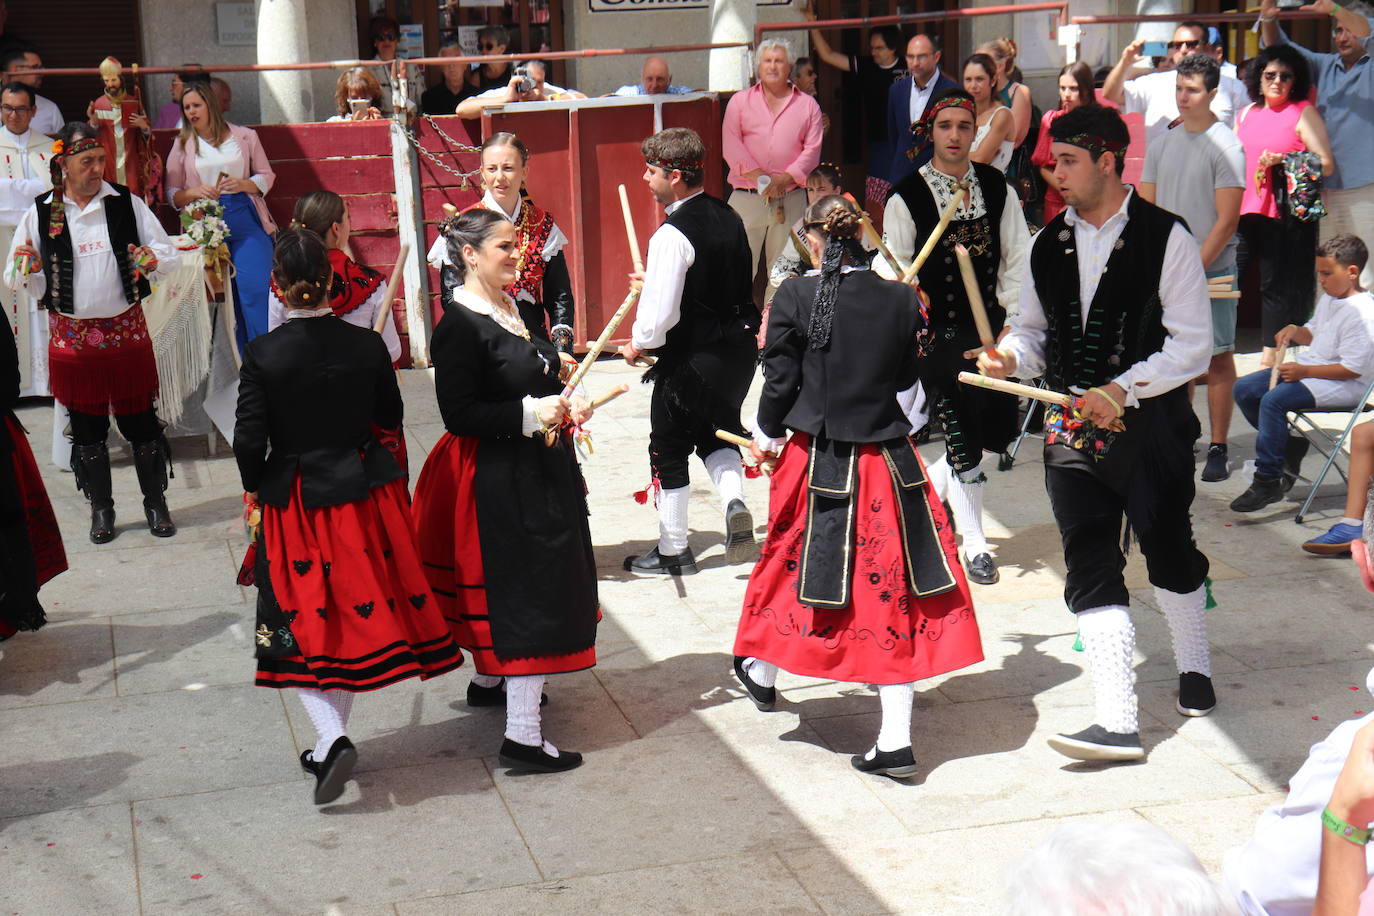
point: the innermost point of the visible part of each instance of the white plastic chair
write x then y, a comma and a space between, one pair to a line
1329, 432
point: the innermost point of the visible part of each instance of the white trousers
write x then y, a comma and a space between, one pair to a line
767, 222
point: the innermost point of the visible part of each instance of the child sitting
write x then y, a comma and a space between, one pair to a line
1337, 539
1333, 372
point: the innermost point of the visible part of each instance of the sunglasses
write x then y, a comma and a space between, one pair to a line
385, 36
1190, 45
1271, 77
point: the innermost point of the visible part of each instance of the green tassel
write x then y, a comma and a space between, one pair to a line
1211, 602
1078, 641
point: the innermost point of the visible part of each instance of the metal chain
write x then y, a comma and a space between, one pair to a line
459, 147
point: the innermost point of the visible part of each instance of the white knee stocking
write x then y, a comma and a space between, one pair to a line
727, 474
486, 680
895, 731
672, 523
938, 472
522, 709
763, 673
324, 709
1109, 641
966, 502
1187, 616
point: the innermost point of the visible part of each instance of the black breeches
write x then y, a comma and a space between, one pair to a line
92, 429
675, 433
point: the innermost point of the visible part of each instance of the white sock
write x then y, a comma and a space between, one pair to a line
1352, 521
324, 715
763, 673
672, 523
895, 731
727, 473
938, 472
1187, 616
1109, 641
966, 502
486, 680
522, 709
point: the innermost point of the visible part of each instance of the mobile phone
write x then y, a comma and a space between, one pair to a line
1154, 49
358, 106
1290, 4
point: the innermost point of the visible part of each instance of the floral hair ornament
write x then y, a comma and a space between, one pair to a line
680, 165
921, 130
1094, 144
57, 221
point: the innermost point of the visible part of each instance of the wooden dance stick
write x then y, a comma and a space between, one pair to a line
1279, 357
767, 466
449, 209
1226, 280
801, 248
975, 300
935, 236
384, 313
610, 396
1215, 293
600, 343
630, 231
877, 240
1016, 388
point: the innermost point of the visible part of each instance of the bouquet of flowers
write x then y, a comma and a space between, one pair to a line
203, 221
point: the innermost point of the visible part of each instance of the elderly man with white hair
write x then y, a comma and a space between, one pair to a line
771, 140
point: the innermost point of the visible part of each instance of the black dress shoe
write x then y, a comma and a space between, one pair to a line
1262, 492
308, 762
333, 773
1195, 694
982, 569
740, 546
494, 696
654, 563
898, 764
764, 697
528, 759
159, 518
1096, 743
102, 525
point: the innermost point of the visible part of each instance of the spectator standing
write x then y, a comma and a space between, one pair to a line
992, 142
1197, 170
1075, 90
875, 74
1332, 372
47, 119
1014, 94
443, 97
654, 79
908, 104
386, 38
1152, 95
1280, 121
538, 91
24, 174
213, 159
771, 139
492, 39
169, 115
1345, 98
358, 85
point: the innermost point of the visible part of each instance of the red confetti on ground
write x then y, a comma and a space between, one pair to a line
1315, 718
1353, 687
196, 877
52, 844
1228, 524
181, 747
1359, 712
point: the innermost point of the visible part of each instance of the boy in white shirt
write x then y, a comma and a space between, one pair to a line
1333, 371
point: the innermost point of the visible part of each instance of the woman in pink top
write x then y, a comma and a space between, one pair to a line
1281, 120
1075, 89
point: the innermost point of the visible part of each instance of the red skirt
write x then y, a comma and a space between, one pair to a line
446, 527
102, 365
348, 578
49, 556
886, 635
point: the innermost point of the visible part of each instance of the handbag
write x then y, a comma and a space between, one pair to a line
1299, 193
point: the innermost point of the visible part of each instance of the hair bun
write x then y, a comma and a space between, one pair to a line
841, 222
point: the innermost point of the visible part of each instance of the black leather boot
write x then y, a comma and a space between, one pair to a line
91, 467
152, 461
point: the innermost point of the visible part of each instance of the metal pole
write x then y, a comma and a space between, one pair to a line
934, 16
1200, 17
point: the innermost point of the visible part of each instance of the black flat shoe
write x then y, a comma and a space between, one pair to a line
654, 563
308, 763
102, 525
898, 764
526, 759
494, 696
982, 570
1195, 694
1096, 743
764, 697
332, 775
159, 518
740, 546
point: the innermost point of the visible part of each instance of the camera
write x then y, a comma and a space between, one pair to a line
526, 81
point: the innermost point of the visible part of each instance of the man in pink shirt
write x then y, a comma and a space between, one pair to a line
772, 140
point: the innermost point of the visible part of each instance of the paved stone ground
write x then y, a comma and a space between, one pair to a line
141, 772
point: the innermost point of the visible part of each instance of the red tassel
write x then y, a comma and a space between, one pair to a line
752, 471
642, 496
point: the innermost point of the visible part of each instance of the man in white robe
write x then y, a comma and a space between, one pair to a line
25, 173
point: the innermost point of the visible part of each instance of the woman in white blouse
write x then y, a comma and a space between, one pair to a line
213, 159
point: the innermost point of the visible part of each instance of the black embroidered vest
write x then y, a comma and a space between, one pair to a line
59, 262
951, 321
718, 293
1125, 321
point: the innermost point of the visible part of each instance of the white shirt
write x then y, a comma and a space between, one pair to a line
899, 231
227, 158
1342, 332
364, 316
665, 275
99, 291
47, 119
437, 256
1152, 96
1187, 312
24, 173
919, 97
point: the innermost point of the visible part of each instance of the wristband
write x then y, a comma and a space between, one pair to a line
1120, 411
1348, 832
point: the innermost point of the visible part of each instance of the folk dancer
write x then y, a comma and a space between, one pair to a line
836, 593
1114, 308
98, 248
24, 174
989, 224
343, 602
697, 316
124, 131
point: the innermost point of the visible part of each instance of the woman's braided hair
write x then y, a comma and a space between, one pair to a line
839, 220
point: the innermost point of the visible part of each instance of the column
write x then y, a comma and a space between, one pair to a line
731, 20
283, 37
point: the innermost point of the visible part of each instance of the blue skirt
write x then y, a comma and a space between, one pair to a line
250, 248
